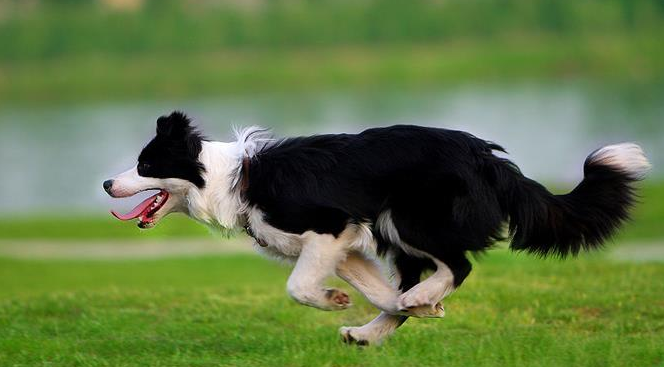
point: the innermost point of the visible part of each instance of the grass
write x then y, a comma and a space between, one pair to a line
101, 77
78, 51
233, 310
646, 224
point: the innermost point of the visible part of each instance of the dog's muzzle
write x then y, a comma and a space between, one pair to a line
108, 184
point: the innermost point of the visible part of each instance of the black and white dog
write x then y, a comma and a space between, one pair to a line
412, 198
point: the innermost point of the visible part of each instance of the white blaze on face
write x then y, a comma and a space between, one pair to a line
130, 183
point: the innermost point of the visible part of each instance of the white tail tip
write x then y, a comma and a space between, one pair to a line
625, 157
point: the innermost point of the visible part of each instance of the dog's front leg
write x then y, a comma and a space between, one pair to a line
365, 276
318, 260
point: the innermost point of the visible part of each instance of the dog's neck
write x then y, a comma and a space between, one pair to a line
220, 202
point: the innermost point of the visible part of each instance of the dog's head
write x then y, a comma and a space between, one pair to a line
168, 163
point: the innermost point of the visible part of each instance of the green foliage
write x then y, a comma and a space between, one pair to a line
647, 221
65, 28
233, 311
609, 59
78, 51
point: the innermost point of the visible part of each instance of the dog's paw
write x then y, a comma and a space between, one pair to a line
337, 299
435, 311
418, 304
414, 299
351, 335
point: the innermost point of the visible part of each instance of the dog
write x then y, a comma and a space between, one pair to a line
378, 209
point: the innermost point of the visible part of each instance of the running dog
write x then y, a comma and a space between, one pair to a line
412, 198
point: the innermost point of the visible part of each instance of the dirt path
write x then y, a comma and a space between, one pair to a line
45, 249
151, 249
639, 252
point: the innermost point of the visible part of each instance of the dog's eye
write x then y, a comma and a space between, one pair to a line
142, 167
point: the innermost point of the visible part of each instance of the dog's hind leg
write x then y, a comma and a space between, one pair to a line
362, 272
439, 285
430, 291
374, 331
450, 266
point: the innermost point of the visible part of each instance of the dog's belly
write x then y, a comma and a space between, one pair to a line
272, 241
279, 244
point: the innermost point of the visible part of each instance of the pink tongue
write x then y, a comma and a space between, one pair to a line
138, 210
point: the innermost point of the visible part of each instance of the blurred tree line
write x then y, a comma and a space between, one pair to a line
32, 29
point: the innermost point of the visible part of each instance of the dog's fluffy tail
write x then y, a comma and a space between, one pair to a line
560, 225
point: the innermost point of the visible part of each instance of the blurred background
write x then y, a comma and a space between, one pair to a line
82, 82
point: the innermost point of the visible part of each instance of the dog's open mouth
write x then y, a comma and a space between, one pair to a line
146, 210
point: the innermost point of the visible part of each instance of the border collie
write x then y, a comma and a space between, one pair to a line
415, 199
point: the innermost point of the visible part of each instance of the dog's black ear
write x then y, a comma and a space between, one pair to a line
177, 130
176, 125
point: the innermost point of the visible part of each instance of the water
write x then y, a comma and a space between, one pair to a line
55, 158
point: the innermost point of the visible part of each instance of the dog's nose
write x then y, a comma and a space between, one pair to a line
107, 186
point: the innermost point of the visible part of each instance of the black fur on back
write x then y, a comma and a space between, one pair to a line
446, 191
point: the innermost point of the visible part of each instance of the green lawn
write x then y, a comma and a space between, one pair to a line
233, 310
